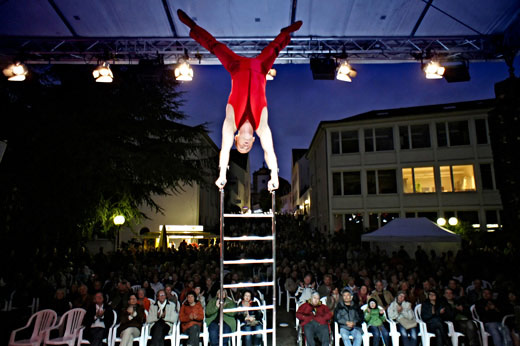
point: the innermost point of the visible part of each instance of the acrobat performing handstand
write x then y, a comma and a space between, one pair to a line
246, 110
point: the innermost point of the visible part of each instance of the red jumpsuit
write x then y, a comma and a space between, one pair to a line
247, 74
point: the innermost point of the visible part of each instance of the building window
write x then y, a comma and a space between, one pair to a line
369, 139
379, 139
418, 180
470, 217
452, 133
371, 183
338, 222
492, 217
430, 215
414, 136
457, 178
486, 176
351, 183
381, 182
334, 139
481, 131
344, 142
349, 142
336, 184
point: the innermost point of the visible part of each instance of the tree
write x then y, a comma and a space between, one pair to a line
79, 152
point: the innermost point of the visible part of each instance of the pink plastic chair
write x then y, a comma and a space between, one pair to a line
44, 319
73, 319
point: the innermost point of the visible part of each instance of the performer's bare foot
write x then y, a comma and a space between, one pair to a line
186, 19
293, 27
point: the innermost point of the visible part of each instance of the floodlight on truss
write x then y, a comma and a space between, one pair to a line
345, 72
434, 70
16, 72
103, 73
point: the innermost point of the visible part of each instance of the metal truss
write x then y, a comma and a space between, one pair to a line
300, 50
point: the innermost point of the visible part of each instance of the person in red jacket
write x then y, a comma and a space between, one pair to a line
246, 110
191, 317
314, 318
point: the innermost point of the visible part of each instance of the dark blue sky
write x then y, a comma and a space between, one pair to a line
297, 103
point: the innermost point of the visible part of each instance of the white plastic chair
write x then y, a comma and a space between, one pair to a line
72, 320
337, 335
280, 292
204, 334
106, 340
423, 331
482, 330
264, 324
394, 334
43, 320
289, 298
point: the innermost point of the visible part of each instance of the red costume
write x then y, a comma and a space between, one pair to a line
247, 74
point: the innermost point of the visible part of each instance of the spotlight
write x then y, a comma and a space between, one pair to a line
183, 71
346, 72
16, 72
103, 74
434, 70
453, 221
441, 221
271, 74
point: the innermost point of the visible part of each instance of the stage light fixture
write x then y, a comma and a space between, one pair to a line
323, 68
16, 72
433, 70
183, 71
271, 74
345, 72
103, 73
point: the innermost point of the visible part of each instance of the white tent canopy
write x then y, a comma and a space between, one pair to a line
410, 233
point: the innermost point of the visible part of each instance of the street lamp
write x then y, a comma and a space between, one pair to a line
119, 220
453, 221
441, 221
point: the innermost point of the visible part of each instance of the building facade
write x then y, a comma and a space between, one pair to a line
431, 161
300, 183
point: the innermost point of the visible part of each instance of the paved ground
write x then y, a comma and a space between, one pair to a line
285, 336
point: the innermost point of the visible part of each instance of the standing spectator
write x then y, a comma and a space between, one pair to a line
458, 313
191, 317
98, 320
349, 318
212, 318
314, 318
132, 319
163, 315
489, 313
401, 311
382, 296
374, 317
250, 320
432, 313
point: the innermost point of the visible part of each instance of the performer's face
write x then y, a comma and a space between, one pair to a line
244, 143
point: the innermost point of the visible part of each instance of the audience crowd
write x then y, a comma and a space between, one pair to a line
332, 280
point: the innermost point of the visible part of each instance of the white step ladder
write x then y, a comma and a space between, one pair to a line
272, 261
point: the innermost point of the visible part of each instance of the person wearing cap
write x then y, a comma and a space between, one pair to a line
349, 318
374, 317
314, 318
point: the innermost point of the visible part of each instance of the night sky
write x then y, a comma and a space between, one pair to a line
297, 103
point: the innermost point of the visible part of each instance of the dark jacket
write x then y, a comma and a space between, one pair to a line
347, 313
107, 318
136, 321
429, 316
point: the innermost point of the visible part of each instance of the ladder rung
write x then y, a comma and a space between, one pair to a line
254, 216
249, 284
249, 261
250, 237
250, 308
253, 332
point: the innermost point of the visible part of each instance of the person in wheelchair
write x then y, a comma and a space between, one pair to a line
314, 319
